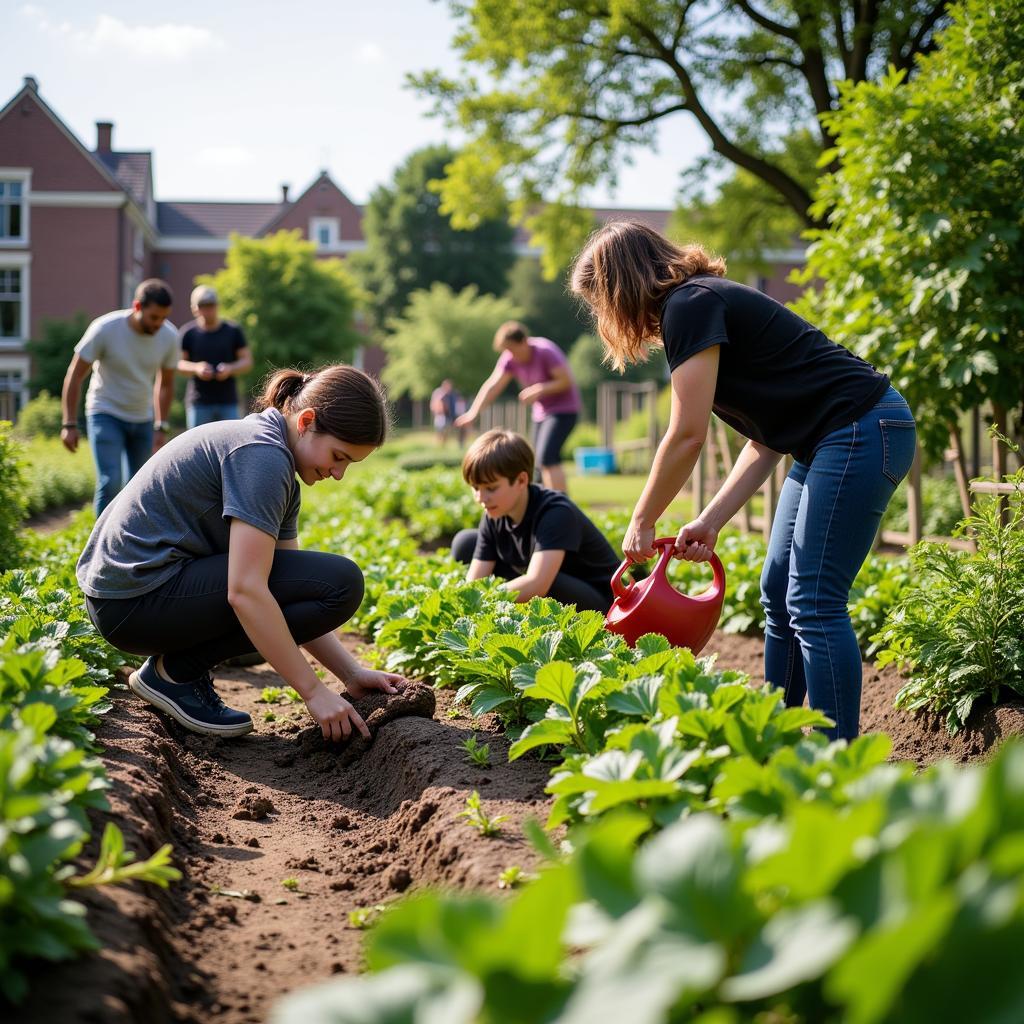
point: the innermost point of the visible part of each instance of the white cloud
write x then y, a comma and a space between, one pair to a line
168, 41
369, 53
224, 156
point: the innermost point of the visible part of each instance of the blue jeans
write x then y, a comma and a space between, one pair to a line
119, 449
213, 412
828, 514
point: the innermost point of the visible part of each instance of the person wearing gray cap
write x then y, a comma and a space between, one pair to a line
213, 353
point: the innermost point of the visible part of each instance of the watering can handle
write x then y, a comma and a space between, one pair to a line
667, 544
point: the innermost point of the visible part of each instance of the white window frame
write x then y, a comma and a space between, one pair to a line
333, 226
23, 365
19, 261
24, 175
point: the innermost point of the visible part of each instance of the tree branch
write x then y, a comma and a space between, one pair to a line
765, 22
904, 60
793, 192
631, 122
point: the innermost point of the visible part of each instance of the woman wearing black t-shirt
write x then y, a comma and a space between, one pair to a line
781, 383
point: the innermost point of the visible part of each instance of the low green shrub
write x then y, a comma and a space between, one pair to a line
40, 417
959, 628
55, 477
417, 461
13, 504
584, 435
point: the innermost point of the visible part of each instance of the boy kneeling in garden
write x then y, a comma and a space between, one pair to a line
535, 538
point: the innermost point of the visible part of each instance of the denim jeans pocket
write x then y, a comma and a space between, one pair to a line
899, 441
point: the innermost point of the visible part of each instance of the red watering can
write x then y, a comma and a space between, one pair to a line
653, 605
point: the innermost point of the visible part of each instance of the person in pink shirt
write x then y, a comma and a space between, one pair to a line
540, 366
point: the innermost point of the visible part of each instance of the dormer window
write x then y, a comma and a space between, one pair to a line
324, 231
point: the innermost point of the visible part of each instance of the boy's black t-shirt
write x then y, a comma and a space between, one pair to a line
551, 523
221, 345
781, 382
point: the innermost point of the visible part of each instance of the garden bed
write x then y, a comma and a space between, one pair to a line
354, 829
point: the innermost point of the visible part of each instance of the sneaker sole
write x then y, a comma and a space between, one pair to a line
159, 701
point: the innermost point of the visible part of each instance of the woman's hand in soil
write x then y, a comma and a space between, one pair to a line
367, 679
334, 714
696, 542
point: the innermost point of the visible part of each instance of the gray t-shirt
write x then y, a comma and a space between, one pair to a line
179, 506
125, 363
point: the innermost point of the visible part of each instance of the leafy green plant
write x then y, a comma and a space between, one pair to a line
366, 917
291, 884
513, 877
477, 753
13, 507
116, 865
48, 780
270, 695
476, 817
959, 629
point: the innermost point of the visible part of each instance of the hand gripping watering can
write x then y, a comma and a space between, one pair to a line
653, 605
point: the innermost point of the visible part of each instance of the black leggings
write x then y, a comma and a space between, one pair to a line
549, 434
565, 588
189, 621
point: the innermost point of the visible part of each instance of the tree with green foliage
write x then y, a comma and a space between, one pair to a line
554, 96
52, 351
586, 359
444, 334
411, 244
548, 309
295, 309
743, 218
922, 261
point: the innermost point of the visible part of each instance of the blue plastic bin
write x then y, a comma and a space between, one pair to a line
595, 461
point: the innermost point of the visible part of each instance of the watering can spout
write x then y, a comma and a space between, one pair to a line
653, 605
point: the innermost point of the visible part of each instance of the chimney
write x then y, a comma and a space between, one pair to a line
31, 83
284, 193
104, 136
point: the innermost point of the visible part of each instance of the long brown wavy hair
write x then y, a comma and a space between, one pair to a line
624, 273
349, 404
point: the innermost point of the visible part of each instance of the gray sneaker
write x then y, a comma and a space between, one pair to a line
196, 705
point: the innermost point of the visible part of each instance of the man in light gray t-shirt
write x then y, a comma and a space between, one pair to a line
133, 354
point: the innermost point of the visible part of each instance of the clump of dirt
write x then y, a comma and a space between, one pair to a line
253, 808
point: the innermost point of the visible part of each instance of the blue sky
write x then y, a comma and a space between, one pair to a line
235, 98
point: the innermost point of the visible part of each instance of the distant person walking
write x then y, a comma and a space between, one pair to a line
134, 353
213, 353
444, 402
541, 366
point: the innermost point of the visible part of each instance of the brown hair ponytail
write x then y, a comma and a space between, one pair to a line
348, 404
624, 273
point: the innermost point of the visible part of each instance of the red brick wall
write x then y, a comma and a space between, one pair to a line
179, 270
775, 284
74, 262
29, 138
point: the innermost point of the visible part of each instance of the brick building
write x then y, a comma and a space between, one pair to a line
79, 229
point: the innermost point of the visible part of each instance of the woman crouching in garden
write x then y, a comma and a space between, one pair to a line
196, 560
781, 383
